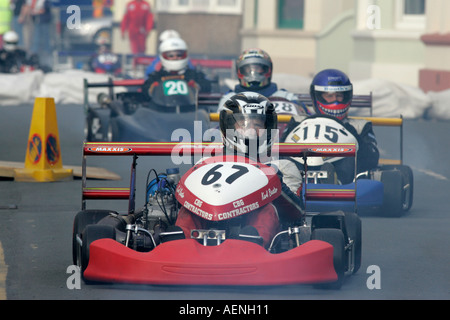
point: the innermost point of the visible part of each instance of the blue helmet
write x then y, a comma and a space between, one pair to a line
331, 92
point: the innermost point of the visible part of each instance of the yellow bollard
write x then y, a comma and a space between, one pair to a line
43, 162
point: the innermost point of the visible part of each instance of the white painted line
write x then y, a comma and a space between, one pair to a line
432, 174
3, 274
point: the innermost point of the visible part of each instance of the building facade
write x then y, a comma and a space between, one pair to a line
405, 41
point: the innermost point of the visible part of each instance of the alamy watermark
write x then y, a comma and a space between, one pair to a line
74, 280
256, 148
374, 280
74, 20
373, 21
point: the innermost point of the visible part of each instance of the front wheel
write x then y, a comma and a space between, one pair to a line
354, 230
92, 233
81, 220
335, 237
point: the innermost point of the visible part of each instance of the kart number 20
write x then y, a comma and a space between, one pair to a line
213, 175
174, 87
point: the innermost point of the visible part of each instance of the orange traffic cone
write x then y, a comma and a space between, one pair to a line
43, 161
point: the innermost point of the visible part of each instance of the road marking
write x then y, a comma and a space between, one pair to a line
3, 273
432, 174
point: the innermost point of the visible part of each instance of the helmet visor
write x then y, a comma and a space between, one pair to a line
248, 125
175, 55
334, 94
254, 70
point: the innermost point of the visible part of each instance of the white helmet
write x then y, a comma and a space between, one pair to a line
173, 53
167, 34
10, 40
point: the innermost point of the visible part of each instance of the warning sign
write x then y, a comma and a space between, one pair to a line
35, 148
52, 149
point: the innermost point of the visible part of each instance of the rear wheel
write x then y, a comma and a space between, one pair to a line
407, 184
335, 237
408, 187
393, 193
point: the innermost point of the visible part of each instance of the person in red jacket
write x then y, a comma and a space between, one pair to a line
138, 20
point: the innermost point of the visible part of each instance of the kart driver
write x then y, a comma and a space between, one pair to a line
156, 63
13, 58
173, 54
254, 70
247, 120
331, 93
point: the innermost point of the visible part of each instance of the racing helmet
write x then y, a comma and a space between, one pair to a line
254, 69
331, 92
173, 53
247, 123
167, 34
10, 40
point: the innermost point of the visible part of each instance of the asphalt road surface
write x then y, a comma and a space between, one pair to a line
410, 254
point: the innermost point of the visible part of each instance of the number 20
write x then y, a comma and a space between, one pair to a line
176, 87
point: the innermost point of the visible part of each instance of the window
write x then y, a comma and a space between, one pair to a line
291, 14
410, 15
206, 6
227, 2
414, 7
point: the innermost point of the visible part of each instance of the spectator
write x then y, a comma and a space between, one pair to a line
40, 13
16, 6
138, 20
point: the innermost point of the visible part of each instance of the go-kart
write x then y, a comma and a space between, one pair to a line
140, 247
386, 190
106, 62
130, 116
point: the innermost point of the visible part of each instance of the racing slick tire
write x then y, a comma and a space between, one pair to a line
408, 187
354, 229
392, 194
81, 220
92, 233
408, 184
335, 237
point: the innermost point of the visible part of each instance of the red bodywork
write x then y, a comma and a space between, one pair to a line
234, 262
187, 262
